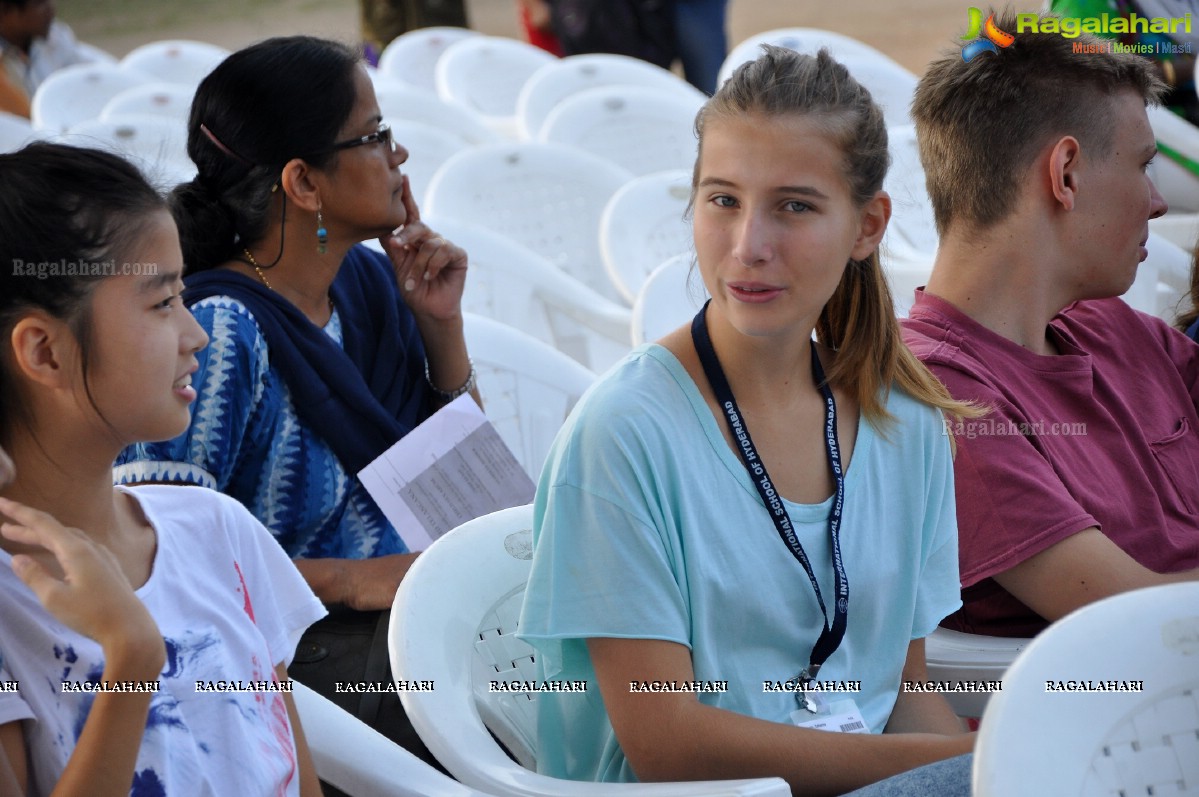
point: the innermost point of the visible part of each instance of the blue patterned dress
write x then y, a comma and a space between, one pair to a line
247, 441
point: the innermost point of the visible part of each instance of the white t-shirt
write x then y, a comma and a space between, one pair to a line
230, 606
647, 526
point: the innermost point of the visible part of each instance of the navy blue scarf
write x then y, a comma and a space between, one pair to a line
360, 399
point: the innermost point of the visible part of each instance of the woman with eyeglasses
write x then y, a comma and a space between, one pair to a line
323, 352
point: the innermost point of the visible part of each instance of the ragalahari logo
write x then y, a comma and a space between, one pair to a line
985, 35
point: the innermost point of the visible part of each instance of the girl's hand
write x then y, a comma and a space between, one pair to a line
92, 596
430, 270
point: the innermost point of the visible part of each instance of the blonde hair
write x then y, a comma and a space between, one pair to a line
859, 320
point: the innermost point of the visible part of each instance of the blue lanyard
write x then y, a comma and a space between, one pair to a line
831, 634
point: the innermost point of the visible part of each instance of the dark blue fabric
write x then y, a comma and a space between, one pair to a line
363, 399
1193, 331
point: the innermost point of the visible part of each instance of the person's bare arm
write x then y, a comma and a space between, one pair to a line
672, 736
362, 584
1078, 570
13, 777
921, 712
310, 784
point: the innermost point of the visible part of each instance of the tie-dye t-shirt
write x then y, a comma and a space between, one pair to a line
230, 606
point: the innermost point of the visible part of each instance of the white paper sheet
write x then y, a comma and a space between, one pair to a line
452, 468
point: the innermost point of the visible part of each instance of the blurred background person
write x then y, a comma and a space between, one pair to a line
384, 20
33, 44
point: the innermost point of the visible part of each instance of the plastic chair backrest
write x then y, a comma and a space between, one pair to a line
411, 57
669, 298
643, 225
172, 100
1050, 732
156, 144
428, 147
15, 132
92, 54
360, 761
78, 93
558, 80
912, 232
486, 74
548, 197
889, 84
454, 621
955, 657
642, 129
804, 40
528, 387
515, 286
1163, 277
175, 60
1178, 185
404, 103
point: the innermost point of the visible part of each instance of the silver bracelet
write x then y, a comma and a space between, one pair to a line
450, 395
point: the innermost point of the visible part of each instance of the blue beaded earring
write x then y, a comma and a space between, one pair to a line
322, 235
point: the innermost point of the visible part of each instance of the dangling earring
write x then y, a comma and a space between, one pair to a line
322, 235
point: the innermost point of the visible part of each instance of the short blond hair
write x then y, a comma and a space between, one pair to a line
981, 124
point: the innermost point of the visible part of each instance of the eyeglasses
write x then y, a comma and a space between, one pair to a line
382, 135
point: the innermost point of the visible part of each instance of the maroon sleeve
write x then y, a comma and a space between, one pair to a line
1012, 503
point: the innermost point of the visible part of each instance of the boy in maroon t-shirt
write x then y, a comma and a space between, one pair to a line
1083, 479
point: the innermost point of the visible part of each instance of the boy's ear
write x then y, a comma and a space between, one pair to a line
1064, 160
875, 215
43, 350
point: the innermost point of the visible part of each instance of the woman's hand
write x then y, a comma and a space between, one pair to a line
7, 470
430, 270
92, 594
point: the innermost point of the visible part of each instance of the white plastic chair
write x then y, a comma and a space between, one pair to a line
515, 286
1163, 277
362, 762
548, 197
156, 144
15, 132
171, 100
804, 40
956, 657
428, 148
1180, 229
78, 93
92, 54
528, 387
643, 225
1179, 187
1036, 742
558, 80
404, 103
411, 57
910, 243
486, 74
669, 298
890, 85
454, 620
175, 60
640, 128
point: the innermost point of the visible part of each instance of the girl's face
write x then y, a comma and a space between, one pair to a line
775, 224
144, 340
